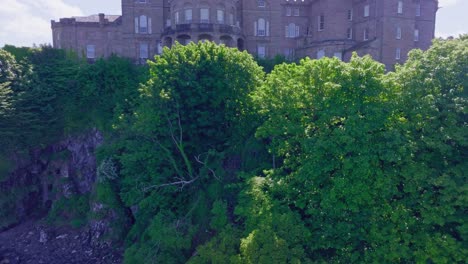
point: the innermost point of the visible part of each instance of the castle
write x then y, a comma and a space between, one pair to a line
385, 29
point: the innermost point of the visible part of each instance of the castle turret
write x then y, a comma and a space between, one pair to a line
209, 20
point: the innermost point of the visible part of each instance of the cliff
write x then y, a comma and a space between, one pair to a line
50, 209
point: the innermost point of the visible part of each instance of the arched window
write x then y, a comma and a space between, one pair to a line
220, 16
204, 15
261, 27
188, 13
292, 30
231, 17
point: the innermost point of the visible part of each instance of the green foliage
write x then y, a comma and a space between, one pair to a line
106, 89
71, 211
164, 241
34, 86
193, 113
7, 207
43, 93
434, 105
269, 64
107, 206
274, 234
222, 248
348, 164
10, 88
373, 164
5, 167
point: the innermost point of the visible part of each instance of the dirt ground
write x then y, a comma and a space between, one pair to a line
36, 243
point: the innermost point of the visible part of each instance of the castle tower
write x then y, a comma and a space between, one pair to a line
200, 20
142, 24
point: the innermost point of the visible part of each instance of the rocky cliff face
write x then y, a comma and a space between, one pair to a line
46, 175
53, 209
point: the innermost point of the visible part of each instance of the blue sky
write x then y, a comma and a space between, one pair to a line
24, 22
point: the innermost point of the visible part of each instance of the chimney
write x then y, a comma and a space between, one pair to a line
101, 18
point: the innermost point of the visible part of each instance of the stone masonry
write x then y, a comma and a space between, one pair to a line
385, 29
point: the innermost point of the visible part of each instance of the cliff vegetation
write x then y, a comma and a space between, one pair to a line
202, 156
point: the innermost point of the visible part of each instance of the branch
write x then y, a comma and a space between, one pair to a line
197, 159
181, 182
169, 156
180, 125
179, 144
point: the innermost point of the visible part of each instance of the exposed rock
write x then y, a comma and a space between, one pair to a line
61, 236
42, 236
59, 172
16, 246
45, 175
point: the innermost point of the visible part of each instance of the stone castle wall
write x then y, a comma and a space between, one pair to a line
293, 28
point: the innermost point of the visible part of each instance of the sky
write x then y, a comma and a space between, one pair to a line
27, 22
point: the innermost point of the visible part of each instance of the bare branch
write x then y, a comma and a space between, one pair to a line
171, 128
181, 183
197, 159
180, 125
180, 145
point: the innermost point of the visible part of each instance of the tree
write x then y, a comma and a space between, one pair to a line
192, 112
39, 83
6, 95
107, 88
434, 107
13, 114
364, 162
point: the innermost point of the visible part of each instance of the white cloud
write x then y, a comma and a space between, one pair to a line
24, 22
449, 34
445, 3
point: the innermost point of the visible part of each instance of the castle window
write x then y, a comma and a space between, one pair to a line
320, 54
292, 30
90, 51
260, 27
141, 24
289, 53
398, 53
321, 22
295, 11
177, 18
220, 16
416, 35
418, 9
188, 15
349, 33
366, 34
159, 47
400, 7
261, 3
338, 55
350, 15
261, 51
144, 51
366, 10
204, 15
142, 1
288, 11
398, 33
